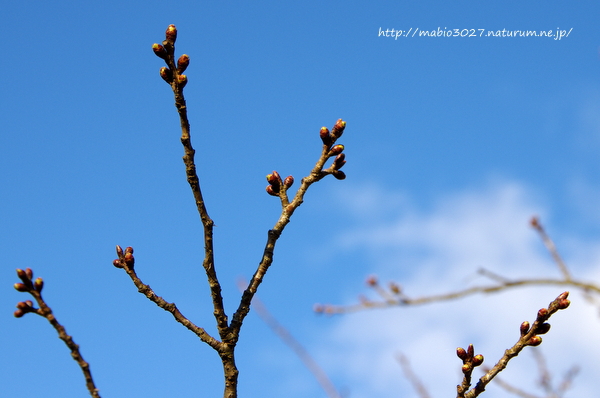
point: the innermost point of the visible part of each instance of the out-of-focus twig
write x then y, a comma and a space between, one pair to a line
395, 296
288, 339
412, 377
35, 289
535, 223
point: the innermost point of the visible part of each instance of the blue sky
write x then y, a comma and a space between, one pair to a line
452, 144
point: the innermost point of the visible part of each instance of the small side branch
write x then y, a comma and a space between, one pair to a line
127, 261
530, 336
35, 289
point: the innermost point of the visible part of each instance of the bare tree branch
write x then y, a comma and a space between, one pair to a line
35, 289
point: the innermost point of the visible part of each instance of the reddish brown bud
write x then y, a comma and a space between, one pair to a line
325, 136
119, 251
372, 280
24, 276
19, 313
563, 296
318, 308
182, 63
462, 354
395, 288
274, 179
117, 263
23, 306
21, 287
182, 81
477, 360
38, 284
535, 222
543, 328
338, 129
563, 304
129, 249
340, 175
166, 74
524, 328
339, 161
534, 341
160, 51
470, 351
288, 182
128, 259
336, 150
271, 191
467, 368
542, 313
171, 33
29, 273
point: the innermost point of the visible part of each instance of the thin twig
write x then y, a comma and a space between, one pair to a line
529, 336
332, 309
35, 289
535, 223
289, 340
412, 377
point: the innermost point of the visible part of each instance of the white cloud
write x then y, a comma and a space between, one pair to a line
442, 248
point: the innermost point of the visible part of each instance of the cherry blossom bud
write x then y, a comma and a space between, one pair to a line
336, 150
395, 288
470, 351
171, 33
338, 129
271, 191
38, 284
160, 51
340, 175
339, 161
19, 313
129, 249
166, 74
325, 136
129, 260
274, 178
119, 251
563, 296
24, 276
21, 287
117, 263
563, 304
524, 328
477, 360
543, 328
534, 341
182, 63
29, 273
182, 81
467, 368
372, 280
542, 313
461, 353
288, 182
23, 306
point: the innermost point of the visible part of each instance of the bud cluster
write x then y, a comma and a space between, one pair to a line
470, 360
541, 326
166, 51
275, 183
27, 285
23, 307
329, 137
125, 258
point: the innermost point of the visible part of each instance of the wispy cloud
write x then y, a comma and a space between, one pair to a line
442, 247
